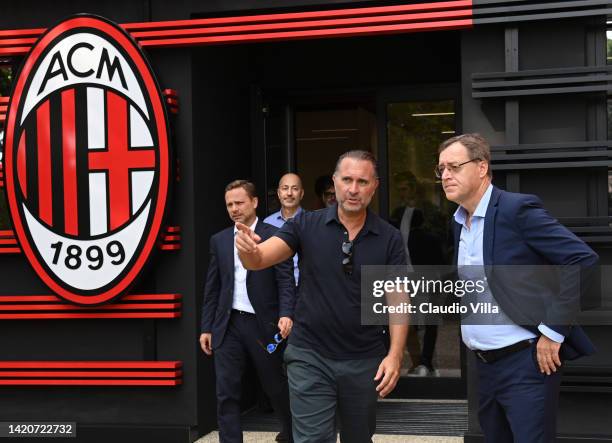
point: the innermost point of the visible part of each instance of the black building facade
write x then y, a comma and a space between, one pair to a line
256, 89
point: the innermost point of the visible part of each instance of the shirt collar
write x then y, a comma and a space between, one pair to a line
252, 227
371, 222
481, 210
279, 215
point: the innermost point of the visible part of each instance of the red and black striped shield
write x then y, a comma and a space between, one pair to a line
87, 159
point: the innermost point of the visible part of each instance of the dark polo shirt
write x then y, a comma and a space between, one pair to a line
328, 312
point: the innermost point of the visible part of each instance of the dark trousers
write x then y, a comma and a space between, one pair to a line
422, 356
243, 340
517, 402
320, 386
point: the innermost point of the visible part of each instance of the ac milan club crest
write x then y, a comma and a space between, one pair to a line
86, 159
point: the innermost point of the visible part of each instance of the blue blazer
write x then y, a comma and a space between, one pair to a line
271, 291
519, 231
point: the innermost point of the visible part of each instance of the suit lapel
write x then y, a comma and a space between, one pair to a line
457, 237
228, 245
489, 228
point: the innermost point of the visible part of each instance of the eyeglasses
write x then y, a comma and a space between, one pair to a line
271, 347
453, 168
347, 261
329, 194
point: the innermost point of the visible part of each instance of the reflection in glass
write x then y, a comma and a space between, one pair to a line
322, 135
609, 47
609, 119
420, 211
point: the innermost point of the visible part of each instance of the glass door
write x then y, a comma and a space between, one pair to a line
413, 124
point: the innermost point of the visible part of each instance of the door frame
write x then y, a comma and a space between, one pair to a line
407, 387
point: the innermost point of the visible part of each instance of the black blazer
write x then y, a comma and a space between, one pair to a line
271, 291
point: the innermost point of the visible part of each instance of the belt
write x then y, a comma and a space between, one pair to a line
238, 311
496, 354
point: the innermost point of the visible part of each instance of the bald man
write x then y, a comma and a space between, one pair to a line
290, 194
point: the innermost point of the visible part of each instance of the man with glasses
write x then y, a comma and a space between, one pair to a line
325, 192
520, 349
333, 362
241, 316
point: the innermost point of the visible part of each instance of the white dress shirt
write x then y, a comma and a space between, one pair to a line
241, 300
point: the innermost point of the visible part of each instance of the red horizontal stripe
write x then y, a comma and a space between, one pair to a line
19, 298
7, 232
91, 374
173, 229
10, 250
173, 247
36, 32
4, 99
309, 24
351, 16
16, 50
292, 16
172, 238
102, 364
3, 108
90, 315
8, 241
43, 382
17, 41
113, 307
292, 35
152, 297
53, 298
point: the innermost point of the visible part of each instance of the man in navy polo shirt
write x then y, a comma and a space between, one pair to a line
333, 362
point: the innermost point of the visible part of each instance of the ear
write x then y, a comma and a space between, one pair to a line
255, 202
483, 169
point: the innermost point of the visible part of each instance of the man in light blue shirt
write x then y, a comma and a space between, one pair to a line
520, 348
497, 331
290, 194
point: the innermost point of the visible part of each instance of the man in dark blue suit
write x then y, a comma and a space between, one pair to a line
242, 312
521, 349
